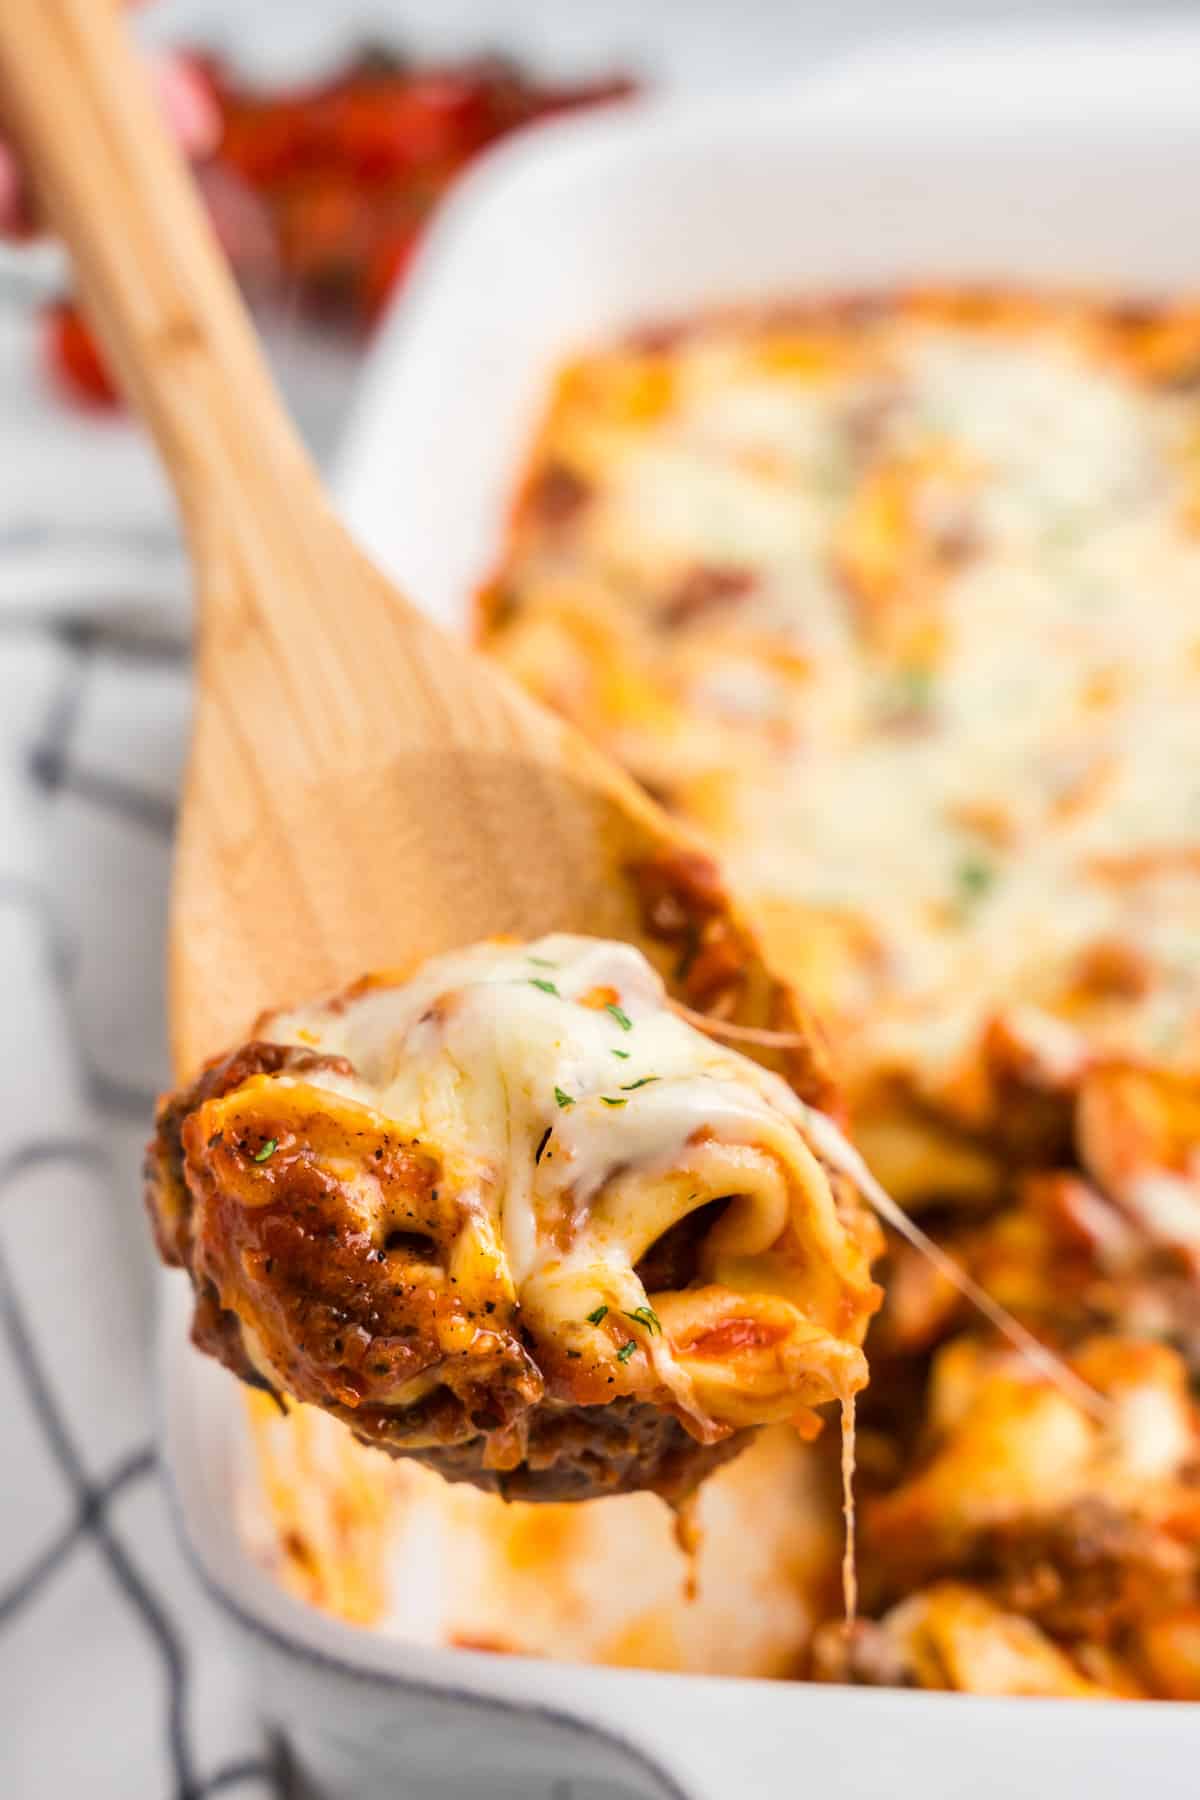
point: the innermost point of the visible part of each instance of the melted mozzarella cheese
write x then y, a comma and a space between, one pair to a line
584, 1118
959, 692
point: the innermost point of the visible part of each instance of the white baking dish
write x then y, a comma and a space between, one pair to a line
568, 234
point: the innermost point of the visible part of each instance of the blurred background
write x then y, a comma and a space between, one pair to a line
706, 43
508, 61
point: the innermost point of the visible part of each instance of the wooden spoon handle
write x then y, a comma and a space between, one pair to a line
76, 100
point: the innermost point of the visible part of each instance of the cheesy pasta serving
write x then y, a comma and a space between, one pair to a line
515, 1217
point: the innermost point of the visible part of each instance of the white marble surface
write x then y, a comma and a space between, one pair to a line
692, 43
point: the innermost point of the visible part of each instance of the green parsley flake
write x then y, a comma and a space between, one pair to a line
623, 1054
627, 1087
547, 987
626, 1350
622, 1018
594, 1318
646, 1315
268, 1149
541, 962
613, 1100
564, 1099
974, 876
912, 688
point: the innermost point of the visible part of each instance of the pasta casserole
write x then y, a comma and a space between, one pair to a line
896, 599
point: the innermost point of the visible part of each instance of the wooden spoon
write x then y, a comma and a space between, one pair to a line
362, 791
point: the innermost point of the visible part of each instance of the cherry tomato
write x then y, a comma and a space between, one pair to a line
74, 358
322, 192
386, 268
266, 141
